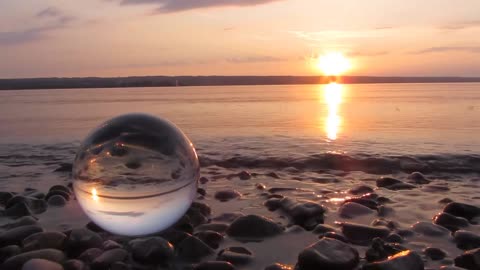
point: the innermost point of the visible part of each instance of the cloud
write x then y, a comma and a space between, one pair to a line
170, 6
461, 25
469, 49
367, 54
253, 59
55, 20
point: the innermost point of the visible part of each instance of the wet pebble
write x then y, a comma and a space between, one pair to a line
362, 234
214, 265
55, 192
64, 167
82, 239
352, 210
418, 178
211, 238
235, 255
393, 184
203, 180
466, 240
216, 227
16, 235
89, 255
278, 266
403, 260
466, 211
74, 265
450, 222
5, 197
57, 201
227, 195
244, 175
328, 254
380, 250
429, 229
16, 262
9, 251
322, 229
107, 258
110, 244
435, 254
253, 227
469, 260
192, 249
307, 214
18, 210
41, 264
60, 188
43, 240
360, 190
152, 250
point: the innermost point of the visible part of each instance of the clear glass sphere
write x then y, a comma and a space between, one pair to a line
136, 175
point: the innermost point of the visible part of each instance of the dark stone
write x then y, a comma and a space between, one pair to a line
305, 213
363, 201
16, 262
278, 266
393, 184
273, 204
227, 195
57, 192
401, 261
273, 175
16, 235
60, 188
469, 260
202, 191
5, 197
107, 258
74, 265
216, 227
335, 235
210, 238
152, 250
43, 240
64, 167
352, 209
380, 250
450, 222
435, 254
9, 251
196, 217
244, 175
82, 239
253, 227
418, 178
120, 266
466, 240
41, 264
89, 255
361, 234
360, 190
322, 229
57, 201
236, 255
466, 211
174, 236
445, 201
94, 227
36, 206
192, 249
203, 180
260, 186
406, 233
214, 265
110, 244
18, 210
227, 217
23, 221
386, 223
328, 254
203, 208
394, 238
429, 229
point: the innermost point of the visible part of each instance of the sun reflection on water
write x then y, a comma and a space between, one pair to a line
333, 94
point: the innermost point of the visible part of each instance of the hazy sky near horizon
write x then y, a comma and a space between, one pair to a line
40, 38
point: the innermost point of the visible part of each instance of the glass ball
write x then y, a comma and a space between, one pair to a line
136, 175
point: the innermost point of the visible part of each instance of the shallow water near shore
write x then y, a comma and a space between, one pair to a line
296, 142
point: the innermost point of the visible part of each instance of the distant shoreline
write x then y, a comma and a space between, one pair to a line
169, 81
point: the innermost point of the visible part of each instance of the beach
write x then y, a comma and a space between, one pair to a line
386, 175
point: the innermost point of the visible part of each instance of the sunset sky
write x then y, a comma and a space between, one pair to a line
40, 38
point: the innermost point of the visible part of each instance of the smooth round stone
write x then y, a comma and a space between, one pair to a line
9, 251
41, 264
435, 253
253, 227
360, 190
352, 209
44, 240
82, 239
469, 260
466, 240
89, 255
429, 229
151, 250
418, 178
136, 169
57, 201
464, 210
16, 235
328, 254
107, 258
211, 238
18, 210
16, 262
235, 255
244, 175
62, 193
110, 244
192, 249
278, 266
60, 188
380, 250
227, 195
361, 234
74, 265
403, 260
450, 222
214, 265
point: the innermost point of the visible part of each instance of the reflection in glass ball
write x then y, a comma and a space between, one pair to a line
136, 175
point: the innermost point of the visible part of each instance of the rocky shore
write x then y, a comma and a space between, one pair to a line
280, 220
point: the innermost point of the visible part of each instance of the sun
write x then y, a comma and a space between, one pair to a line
333, 64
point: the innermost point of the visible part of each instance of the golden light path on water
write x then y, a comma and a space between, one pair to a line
332, 97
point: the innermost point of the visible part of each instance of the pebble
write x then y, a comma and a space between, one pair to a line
82, 239
401, 261
335, 235
214, 265
328, 254
36, 206
216, 227
74, 265
227, 195
352, 209
360, 190
435, 254
379, 250
211, 238
307, 214
260, 186
5, 196
62, 193
363, 201
192, 249
362, 234
322, 229
107, 258
429, 229
469, 260
89, 255
43, 240
110, 244
253, 227
152, 250
394, 238
23, 221
64, 167
16, 262
278, 266
236, 255
18, 210
9, 251
450, 222
60, 188
466, 211
273, 204
418, 178
227, 217
41, 264
57, 201
16, 235
273, 175
244, 175
203, 180
466, 240
393, 184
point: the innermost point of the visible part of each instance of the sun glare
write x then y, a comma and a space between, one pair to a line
333, 64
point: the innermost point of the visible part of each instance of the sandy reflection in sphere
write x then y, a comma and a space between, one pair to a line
135, 175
